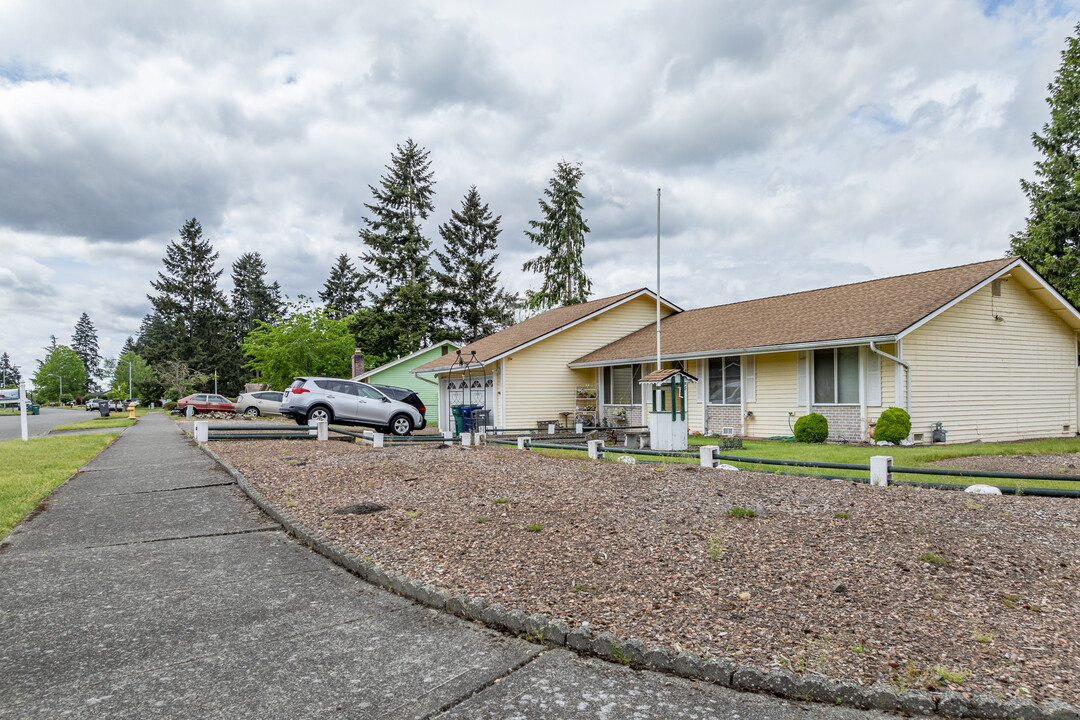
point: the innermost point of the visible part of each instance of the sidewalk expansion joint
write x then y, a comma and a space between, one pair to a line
484, 686
275, 528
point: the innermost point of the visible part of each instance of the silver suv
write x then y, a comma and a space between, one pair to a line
310, 399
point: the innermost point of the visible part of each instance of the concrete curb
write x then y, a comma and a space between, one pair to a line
607, 646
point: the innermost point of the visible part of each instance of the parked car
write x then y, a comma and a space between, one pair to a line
310, 399
204, 403
94, 403
266, 402
405, 395
117, 405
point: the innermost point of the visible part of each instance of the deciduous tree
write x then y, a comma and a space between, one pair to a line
64, 363
305, 342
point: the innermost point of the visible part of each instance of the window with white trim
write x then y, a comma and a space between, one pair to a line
725, 381
622, 385
836, 376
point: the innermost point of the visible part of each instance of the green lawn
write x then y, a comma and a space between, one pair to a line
915, 456
29, 471
98, 422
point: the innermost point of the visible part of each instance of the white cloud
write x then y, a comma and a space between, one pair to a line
797, 146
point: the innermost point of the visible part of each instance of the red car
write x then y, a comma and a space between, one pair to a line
205, 403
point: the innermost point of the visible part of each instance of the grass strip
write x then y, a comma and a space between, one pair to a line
29, 471
97, 423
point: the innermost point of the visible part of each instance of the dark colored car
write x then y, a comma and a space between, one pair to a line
405, 395
204, 403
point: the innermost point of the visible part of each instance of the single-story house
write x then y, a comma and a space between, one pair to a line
399, 374
523, 374
987, 349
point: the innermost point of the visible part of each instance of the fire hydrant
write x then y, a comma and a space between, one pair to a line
131, 411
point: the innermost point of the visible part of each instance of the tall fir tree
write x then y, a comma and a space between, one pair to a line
398, 253
561, 233
9, 374
193, 311
85, 344
1051, 240
129, 346
253, 300
343, 292
51, 347
473, 303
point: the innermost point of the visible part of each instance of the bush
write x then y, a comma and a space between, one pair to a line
893, 425
812, 428
169, 405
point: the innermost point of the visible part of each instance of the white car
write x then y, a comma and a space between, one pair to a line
266, 402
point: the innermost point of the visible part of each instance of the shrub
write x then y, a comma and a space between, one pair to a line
812, 428
169, 405
893, 425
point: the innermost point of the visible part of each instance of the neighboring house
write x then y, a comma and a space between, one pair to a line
399, 374
988, 349
522, 373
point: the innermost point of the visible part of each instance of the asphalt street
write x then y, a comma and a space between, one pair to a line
150, 586
38, 425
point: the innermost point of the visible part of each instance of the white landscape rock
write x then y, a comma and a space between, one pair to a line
884, 442
725, 466
982, 490
627, 459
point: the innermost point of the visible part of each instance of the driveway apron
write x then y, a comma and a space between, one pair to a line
148, 585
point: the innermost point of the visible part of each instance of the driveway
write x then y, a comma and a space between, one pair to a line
150, 586
37, 425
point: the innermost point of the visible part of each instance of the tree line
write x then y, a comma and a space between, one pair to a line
398, 295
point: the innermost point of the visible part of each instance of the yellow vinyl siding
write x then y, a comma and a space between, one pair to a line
991, 380
888, 385
775, 395
539, 385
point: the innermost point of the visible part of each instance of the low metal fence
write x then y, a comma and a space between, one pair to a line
266, 431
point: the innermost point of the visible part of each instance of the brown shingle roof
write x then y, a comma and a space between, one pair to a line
875, 308
526, 331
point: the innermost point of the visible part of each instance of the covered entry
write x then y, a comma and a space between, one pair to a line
667, 421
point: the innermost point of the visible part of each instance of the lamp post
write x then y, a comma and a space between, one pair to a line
131, 392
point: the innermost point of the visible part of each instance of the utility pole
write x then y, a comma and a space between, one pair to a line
131, 392
657, 278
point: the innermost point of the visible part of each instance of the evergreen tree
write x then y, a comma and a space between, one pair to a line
344, 289
398, 252
473, 304
191, 307
253, 301
1051, 240
51, 347
9, 374
562, 232
129, 346
85, 344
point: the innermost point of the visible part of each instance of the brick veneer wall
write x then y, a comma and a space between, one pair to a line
721, 416
845, 425
633, 413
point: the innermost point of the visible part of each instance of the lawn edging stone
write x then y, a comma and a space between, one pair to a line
719, 671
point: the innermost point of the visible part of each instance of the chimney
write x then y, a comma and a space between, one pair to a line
357, 363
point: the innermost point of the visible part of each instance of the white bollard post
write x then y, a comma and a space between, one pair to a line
706, 452
466, 439
322, 430
521, 443
551, 428
22, 411
378, 440
881, 470
202, 431
579, 428
448, 435
595, 449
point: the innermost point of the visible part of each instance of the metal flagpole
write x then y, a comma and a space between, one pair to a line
657, 278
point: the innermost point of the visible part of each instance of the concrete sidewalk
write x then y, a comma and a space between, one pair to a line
151, 586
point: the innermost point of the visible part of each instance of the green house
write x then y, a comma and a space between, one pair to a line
398, 373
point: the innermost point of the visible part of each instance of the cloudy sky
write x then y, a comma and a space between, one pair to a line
797, 144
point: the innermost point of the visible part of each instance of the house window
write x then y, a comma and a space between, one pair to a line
836, 376
725, 381
622, 385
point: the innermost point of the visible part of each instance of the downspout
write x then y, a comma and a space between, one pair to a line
907, 373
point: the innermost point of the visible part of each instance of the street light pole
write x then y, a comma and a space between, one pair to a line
131, 394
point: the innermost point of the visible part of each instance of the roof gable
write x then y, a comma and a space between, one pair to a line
382, 368
537, 328
871, 309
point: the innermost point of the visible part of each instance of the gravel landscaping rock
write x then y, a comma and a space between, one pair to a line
985, 586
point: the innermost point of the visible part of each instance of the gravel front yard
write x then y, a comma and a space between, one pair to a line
919, 588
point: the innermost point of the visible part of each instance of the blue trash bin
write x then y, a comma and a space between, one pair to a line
466, 415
